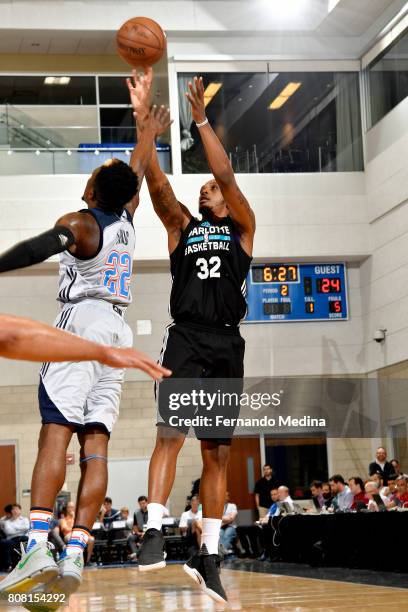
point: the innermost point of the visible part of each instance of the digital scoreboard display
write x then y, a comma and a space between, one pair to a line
296, 292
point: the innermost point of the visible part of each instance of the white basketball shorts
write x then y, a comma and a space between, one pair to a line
85, 393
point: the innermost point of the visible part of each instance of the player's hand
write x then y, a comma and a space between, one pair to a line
131, 358
158, 120
139, 86
196, 98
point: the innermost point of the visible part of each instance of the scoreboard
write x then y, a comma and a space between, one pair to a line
296, 292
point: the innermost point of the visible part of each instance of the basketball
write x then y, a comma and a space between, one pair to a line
140, 42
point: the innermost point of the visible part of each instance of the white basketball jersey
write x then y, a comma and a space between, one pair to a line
107, 275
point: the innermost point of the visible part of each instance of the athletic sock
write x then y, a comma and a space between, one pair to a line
155, 514
39, 525
211, 535
78, 540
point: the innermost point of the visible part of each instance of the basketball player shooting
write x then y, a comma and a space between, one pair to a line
96, 246
203, 341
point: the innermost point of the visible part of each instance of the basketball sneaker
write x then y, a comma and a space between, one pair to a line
35, 566
70, 574
205, 570
152, 554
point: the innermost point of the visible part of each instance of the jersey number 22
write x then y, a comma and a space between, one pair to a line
117, 274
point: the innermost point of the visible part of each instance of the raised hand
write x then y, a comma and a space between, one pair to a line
139, 86
196, 98
158, 120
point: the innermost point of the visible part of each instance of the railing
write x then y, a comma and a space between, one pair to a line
68, 161
21, 130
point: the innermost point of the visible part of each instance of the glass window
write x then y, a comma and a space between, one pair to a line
278, 122
117, 126
388, 79
18, 90
113, 90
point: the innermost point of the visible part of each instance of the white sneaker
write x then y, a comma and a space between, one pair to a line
35, 567
70, 574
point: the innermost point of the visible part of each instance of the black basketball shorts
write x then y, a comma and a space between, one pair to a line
207, 381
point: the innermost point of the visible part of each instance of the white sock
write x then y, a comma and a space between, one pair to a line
155, 516
211, 534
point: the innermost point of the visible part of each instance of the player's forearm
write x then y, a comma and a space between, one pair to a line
161, 193
32, 341
37, 249
141, 154
216, 156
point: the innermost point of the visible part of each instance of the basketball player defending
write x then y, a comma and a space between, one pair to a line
207, 304
96, 246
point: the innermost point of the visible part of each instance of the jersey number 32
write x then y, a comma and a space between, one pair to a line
208, 268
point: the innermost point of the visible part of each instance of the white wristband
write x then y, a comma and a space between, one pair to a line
200, 125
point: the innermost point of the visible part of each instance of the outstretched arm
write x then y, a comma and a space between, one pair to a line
151, 124
175, 217
220, 166
32, 341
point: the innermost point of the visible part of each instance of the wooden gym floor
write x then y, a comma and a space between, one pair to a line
125, 590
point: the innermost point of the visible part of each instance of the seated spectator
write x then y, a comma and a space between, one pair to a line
15, 529
187, 525
397, 468
66, 524
316, 489
390, 491
255, 539
124, 516
7, 512
327, 494
139, 521
343, 497
377, 477
228, 531
371, 489
357, 488
108, 514
381, 465
402, 494
283, 498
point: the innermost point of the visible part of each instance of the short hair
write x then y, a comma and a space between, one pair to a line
268, 465
142, 498
316, 483
124, 509
15, 506
382, 447
107, 500
392, 476
194, 497
7, 509
395, 460
358, 481
115, 185
337, 478
371, 483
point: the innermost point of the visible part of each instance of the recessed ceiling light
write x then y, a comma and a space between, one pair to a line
210, 91
54, 80
284, 96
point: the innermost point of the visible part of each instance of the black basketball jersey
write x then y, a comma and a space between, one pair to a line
209, 269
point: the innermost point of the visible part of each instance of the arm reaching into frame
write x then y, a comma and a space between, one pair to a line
174, 215
30, 340
239, 208
152, 123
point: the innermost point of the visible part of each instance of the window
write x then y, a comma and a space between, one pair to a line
278, 122
388, 79
17, 90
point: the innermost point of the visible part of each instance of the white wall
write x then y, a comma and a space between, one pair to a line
384, 276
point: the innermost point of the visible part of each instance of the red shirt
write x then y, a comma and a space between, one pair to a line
403, 498
360, 497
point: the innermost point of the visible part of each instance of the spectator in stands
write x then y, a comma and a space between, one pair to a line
15, 529
228, 531
327, 494
283, 498
402, 494
187, 525
124, 516
391, 489
377, 477
357, 488
397, 467
381, 465
316, 489
371, 489
108, 514
263, 489
254, 538
7, 512
139, 521
66, 524
343, 497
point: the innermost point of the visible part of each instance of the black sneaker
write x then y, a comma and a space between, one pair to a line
152, 555
205, 570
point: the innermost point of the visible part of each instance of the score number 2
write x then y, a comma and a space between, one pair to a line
117, 273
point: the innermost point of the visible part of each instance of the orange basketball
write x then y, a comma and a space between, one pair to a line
140, 42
